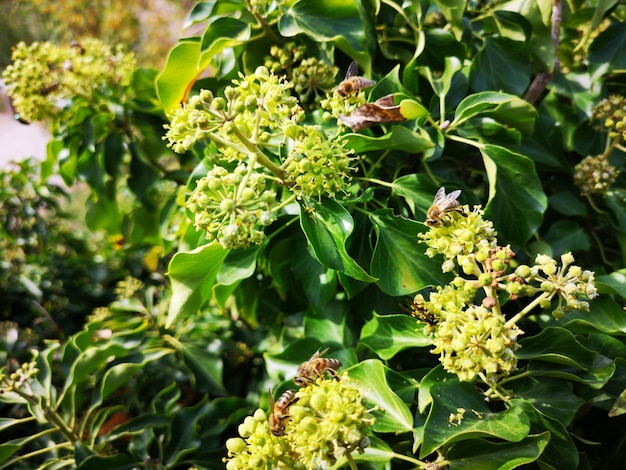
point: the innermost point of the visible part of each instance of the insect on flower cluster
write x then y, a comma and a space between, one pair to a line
307, 373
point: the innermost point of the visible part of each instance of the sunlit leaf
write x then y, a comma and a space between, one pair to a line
399, 261
193, 274
393, 415
327, 229
387, 335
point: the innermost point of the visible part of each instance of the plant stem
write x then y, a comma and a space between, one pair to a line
351, 462
263, 160
527, 309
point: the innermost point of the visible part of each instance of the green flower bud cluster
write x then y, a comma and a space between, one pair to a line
314, 76
572, 285
317, 165
16, 381
612, 113
335, 105
252, 109
233, 207
474, 338
257, 447
127, 287
328, 420
461, 238
44, 76
283, 59
595, 175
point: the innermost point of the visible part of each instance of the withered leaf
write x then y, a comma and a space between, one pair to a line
380, 111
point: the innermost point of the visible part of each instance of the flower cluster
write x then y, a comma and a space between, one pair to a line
595, 175
283, 59
570, 284
233, 207
323, 422
256, 141
317, 165
17, 380
44, 76
335, 105
470, 333
612, 113
257, 447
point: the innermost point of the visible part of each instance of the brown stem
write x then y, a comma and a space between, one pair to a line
541, 81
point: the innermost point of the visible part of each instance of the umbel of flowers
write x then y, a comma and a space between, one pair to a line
327, 421
261, 157
44, 76
471, 335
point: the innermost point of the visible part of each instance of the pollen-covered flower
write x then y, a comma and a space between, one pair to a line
44, 76
317, 165
595, 175
328, 422
233, 207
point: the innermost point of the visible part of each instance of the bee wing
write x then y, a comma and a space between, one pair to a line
271, 399
353, 69
441, 193
450, 200
318, 354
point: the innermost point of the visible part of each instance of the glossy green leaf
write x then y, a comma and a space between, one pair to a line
223, 33
398, 138
502, 64
343, 22
475, 418
238, 265
561, 450
193, 275
552, 397
616, 201
181, 69
399, 261
516, 198
7, 450
513, 25
418, 191
108, 462
608, 51
556, 352
612, 283
376, 452
487, 455
393, 415
329, 323
568, 204
605, 315
183, 438
387, 335
453, 11
504, 108
567, 235
327, 229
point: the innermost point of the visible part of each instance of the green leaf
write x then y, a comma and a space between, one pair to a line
556, 352
487, 455
193, 274
327, 229
183, 439
568, 204
516, 198
552, 397
616, 201
329, 323
342, 22
393, 415
180, 72
418, 191
567, 235
452, 11
399, 261
604, 315
502, 64
207, 368
238, 265
398, 138
612, 283
223, 33
561, 451
387, 335
475, 418
504, 108
7, 450
376, 452
607, 52
108, 462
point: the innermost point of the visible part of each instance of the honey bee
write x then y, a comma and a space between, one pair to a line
316, 366
353, 83
419, 311
278, 411
441, 204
